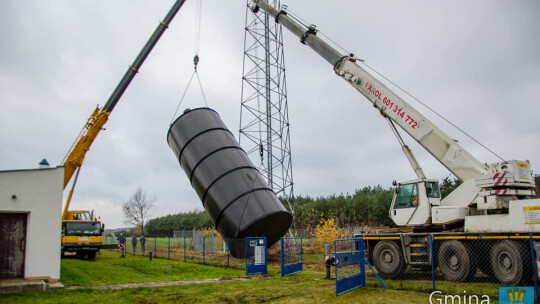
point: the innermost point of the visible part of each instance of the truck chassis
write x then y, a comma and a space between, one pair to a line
505, 257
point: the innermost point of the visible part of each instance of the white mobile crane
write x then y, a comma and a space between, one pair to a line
492, 207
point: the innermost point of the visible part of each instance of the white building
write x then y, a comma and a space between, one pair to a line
30, 223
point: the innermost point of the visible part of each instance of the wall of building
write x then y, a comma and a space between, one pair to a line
39, 194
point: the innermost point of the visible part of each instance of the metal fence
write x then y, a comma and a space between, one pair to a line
464, 265
349, 264
196, 246
468, 266
291, 255
481, 262
308, 233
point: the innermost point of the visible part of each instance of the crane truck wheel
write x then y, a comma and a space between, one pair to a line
510, 262
91, 255
388, 258
457, 261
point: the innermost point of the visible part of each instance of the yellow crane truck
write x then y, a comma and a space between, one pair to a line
82, 232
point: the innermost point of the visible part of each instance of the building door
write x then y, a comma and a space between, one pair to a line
12, 244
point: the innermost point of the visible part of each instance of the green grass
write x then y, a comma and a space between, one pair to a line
313, 258
296, 289
108, 269
306, 287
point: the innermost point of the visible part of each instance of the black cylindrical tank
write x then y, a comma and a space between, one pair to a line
231, 189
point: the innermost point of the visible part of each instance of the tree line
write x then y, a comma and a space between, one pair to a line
165, 225
368, 206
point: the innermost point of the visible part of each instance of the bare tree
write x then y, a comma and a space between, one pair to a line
138, 208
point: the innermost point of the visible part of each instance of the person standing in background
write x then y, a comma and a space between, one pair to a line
143, 243
122, 244
134, 243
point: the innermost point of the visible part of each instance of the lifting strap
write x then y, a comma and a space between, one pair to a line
196, 60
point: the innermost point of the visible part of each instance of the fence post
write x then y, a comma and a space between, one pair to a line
301, 253
228, 253
155, 246
535, 267
282, 258
184, 246
432, 261
203, 248
169, 249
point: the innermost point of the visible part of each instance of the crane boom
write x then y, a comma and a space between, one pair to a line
81, 231
97, 120
446, 150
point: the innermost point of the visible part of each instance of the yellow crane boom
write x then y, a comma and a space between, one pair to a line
75, 157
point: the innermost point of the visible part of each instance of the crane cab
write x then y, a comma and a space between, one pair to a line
80, 215
412, 202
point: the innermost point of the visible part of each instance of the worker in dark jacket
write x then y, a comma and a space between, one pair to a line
330, 261
134, 243
143, 243
122, 244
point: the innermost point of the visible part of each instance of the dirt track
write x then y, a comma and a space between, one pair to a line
165, 284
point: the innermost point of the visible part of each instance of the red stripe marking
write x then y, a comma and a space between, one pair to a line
501, 192
495, 176
500, 179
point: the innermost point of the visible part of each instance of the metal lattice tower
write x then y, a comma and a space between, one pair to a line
264, 116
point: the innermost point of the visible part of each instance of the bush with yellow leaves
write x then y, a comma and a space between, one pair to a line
209, 232
327, 231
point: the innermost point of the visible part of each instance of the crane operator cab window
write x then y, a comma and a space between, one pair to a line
81, 228
432, 189
407, 196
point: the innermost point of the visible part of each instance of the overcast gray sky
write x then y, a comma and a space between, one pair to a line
475, 62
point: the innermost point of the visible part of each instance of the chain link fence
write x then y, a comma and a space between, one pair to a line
458, 264
483, 263
452, 264
291, 255
193, 246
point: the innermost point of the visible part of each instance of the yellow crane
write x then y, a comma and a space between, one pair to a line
82, 233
